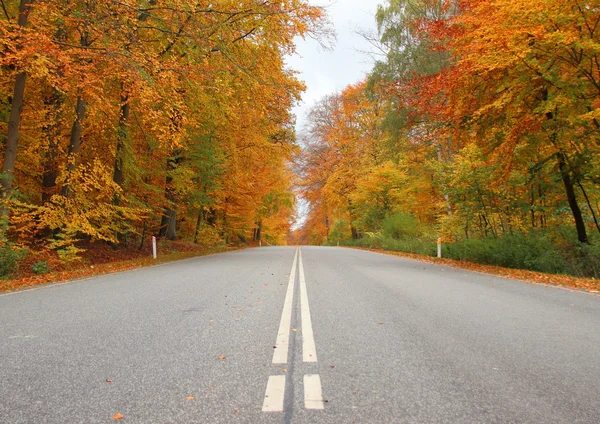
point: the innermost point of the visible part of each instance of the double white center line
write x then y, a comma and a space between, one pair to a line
275, 393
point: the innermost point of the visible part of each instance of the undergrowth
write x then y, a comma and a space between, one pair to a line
552, 253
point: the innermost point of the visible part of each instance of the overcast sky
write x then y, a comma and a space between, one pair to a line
326, 72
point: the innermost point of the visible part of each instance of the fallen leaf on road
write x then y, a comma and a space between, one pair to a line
189, 398
222, 357
118, 416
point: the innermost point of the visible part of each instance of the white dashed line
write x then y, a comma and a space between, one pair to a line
309, 350
274, 394
313, 395
280, 353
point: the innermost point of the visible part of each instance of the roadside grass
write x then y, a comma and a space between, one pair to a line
41, 267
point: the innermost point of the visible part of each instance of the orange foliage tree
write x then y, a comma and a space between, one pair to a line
124, 119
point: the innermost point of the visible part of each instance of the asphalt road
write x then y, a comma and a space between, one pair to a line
349, 337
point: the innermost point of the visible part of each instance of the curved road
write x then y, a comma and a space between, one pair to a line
309, 335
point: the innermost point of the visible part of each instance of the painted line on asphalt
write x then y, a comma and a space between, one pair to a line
280, 353
274, 394
313, 395
309, 350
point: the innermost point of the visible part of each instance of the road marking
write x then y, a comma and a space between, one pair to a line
309, 350
274, 394
313, 395
280, 353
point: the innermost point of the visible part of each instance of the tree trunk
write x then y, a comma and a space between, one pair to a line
118, 176
211, 218
198, 224
143, 236
168, 225
53, 102
444, 190
122, 133
565, 174
587, 199
14, 121
572, 199
74, 144
257, 233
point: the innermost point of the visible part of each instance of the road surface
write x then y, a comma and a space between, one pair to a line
309, 335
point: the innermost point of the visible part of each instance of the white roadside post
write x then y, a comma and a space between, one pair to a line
439, 244
154, 247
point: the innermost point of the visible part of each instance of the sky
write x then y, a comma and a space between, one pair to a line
327, 71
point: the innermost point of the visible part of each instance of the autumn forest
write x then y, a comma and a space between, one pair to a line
479, 124
127, 119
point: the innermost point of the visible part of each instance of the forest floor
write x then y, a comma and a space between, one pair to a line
100, 258
591, 285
